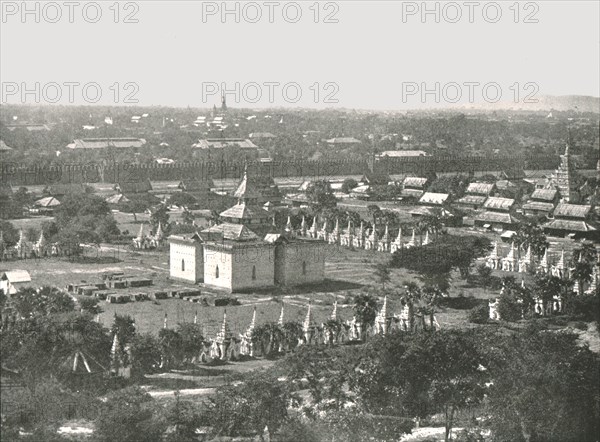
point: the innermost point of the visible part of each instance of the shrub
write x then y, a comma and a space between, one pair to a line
479, 314
224, 302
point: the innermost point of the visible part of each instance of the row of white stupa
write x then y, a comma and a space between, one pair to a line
552, 307
526, 264
143, 241
225, 345
24, 248
364, 239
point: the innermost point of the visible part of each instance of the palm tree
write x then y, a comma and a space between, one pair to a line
411, 296
292, 332
332, 328
582, 264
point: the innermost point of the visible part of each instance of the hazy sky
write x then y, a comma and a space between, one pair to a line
378, 55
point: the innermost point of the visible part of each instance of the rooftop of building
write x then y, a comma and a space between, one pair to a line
416, 182
572, 210
102, 143
480, 188
497, 203
544, 194
220, 143
436, 199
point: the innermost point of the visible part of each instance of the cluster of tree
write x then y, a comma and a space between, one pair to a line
447, 253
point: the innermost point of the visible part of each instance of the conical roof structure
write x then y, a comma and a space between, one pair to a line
413, 239
373, 235
313, 228
41, 242
511, 253
544, 261
224, 334
280, 320
252, 326
308, 320
333, 316
336, 229
561, 261
386, 235
528, 256
141, 233
494, 253
398, 240
426, 240
159, 232
288, 226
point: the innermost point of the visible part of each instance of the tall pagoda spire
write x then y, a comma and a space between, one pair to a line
334, 312
280, 321
308, 320
563, 178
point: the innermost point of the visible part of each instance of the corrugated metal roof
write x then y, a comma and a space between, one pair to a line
499, 203
134, 187
220, 143
480, 188
572, 210
544, 194
495, 217
411, 193
434, 198
195, 185
569, 225
538, 205
102, 143
415, 182
16, 276
472, 200
49, 201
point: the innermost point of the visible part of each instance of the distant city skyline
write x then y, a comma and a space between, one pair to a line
379, 56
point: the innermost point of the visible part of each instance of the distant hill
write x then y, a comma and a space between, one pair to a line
563, 103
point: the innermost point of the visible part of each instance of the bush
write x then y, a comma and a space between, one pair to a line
586, 307
224, 302
508, 308
479, 314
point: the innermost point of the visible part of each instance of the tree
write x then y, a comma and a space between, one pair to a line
447, 253
90, 305
320, 196
171, 345
365, 311
129, 415
582, 264
412, 295
348, 185
544, 389
124, 327
485, 274
160, 215
531, 234
182, 199
246, 409
145, 353
420, 375
187, 217
381, 274
292, 332
374, 213
191, 339
186, 417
